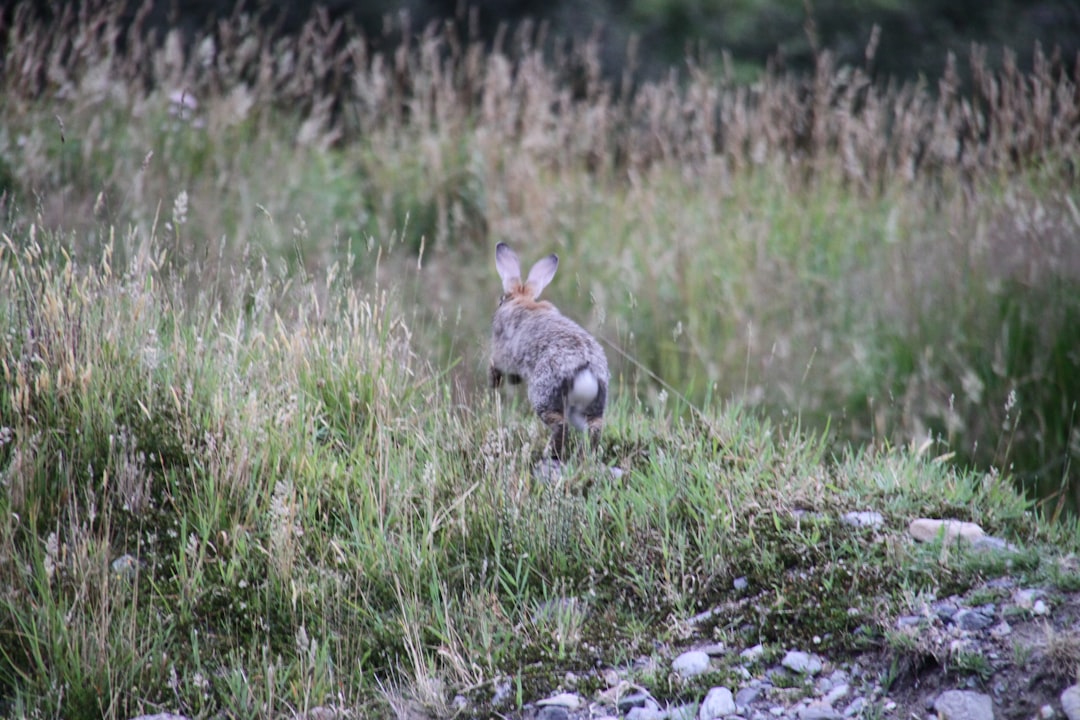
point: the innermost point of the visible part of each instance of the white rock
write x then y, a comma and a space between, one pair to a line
837, 693
863, 519
803, 663
570, 701
1046, 712
1070, 702
753, 654
1040, 608
717, 704
925, 530
818, 711
691, 663
646, 713
964, 705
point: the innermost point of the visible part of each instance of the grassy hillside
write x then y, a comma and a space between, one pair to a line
247, 462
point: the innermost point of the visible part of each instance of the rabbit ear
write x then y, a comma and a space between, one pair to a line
506, 262
542, 273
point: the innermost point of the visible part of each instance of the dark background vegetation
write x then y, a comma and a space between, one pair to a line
915, 36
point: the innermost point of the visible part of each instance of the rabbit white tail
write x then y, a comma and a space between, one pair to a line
582, 392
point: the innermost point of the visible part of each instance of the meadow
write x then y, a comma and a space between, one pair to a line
248, 462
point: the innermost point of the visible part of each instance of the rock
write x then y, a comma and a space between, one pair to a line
753, 654
714, 649
802, 663
646, 713
682, 712
638, 698
908, 621
161, 716
747, 695
837, 693
570, 701
926, 530
717, 704
126, 566
1040, 608
616, 472
863, 519
855, 707
1046, 712
973, 620
740, 583
553, 712
1070, 702
502, 692
691, 663
964, 705
995, 544
1002, 629
818, 711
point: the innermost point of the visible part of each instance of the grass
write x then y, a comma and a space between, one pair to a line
246, 464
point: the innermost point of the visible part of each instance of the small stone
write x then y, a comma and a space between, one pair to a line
1070, 702
740, 583
161, 716
570, 701
837, 693
973, 620
553, 712
125, 566
855, 707
746, 696
691, 663
908, 621
646, 713
718, 703
926, 530
460, 703
638, 698
1046, 712
1040, 608
753, 654
964, 705
503, 691
818, 711
803, 663
713, 649
616, 472
994, 544
863, 519
1002, 629
945, 611
682, 712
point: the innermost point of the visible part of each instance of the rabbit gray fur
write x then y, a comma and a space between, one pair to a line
562, 365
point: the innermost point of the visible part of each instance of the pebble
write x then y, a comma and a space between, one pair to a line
972, 620
747, 695
926, 530
553, 712
126, 566
1070, 702
638, 698
863, 519
964, 705
818, 711
717, 704
837, 693
753, 654
570, 701
1040, 608
646, 713
803, 663
691, 663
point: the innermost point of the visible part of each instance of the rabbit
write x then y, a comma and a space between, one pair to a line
562, 365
